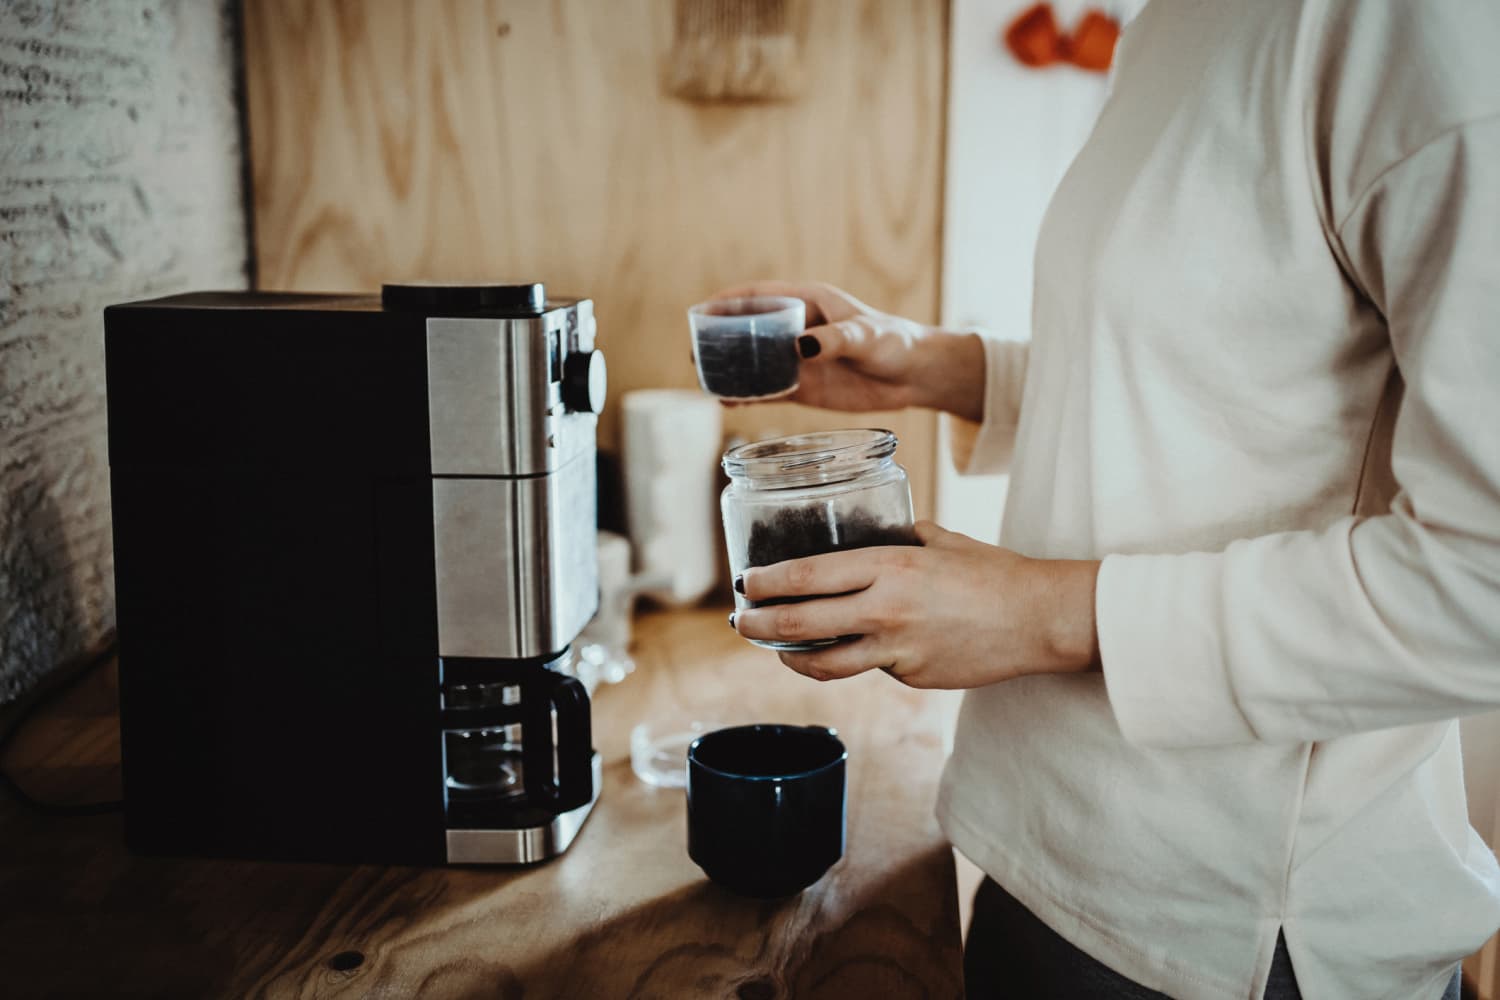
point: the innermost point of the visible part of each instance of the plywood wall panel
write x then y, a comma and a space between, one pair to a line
466, 140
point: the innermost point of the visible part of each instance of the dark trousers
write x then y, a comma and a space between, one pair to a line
1011, 954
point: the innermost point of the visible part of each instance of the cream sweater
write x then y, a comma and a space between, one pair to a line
1264, 386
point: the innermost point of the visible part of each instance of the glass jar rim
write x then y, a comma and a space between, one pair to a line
816, 453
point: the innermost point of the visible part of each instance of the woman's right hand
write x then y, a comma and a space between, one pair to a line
857, 358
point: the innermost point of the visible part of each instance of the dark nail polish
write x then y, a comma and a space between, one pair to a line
731, 620
808, 346
739, 585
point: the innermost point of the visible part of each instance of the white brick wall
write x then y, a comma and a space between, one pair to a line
119, 179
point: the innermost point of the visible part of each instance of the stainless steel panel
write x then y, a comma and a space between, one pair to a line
490, 397
493, 399
523, 845
517, 569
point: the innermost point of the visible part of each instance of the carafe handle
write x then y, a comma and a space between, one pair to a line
575, 744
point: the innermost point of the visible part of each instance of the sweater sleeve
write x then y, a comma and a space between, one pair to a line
1371, 622
986, 447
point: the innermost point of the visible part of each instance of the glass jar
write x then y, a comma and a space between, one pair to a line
809, 494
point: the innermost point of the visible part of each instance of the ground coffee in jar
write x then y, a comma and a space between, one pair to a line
812, 494
795, 532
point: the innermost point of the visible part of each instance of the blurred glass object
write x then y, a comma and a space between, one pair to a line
601, 655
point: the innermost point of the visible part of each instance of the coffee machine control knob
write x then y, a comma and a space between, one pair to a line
584, 382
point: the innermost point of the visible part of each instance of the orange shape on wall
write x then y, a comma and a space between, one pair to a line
1092, 44
1034, 37
1036, 41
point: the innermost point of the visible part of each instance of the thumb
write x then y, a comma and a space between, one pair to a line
848, 338
929, 533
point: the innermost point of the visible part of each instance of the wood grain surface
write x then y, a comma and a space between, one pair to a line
531, 139
624, 913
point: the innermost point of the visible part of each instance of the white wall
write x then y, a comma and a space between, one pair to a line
1012, 131
119, 179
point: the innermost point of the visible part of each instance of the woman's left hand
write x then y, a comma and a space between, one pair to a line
952, 613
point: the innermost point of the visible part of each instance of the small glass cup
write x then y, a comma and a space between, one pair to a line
658, 749
746, 348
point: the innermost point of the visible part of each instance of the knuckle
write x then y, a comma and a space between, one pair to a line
788, 623
897, 557
807, 666
892, 611
912, 677
800, 574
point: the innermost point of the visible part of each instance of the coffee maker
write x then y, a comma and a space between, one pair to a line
354, 538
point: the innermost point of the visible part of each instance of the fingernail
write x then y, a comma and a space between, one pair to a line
731, 620
808, 346
739, 585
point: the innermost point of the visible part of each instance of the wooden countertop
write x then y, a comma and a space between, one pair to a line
624, 913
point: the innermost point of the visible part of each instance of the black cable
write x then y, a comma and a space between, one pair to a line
15, 791
24, 712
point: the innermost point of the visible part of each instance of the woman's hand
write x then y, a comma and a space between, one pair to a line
953, 613
857, 358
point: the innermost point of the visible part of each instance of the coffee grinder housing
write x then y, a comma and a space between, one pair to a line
354, 539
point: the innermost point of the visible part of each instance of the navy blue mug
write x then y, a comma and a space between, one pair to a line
765, 807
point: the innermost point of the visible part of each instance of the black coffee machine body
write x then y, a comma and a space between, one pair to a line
354, 539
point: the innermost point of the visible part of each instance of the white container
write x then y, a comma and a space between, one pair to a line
672, 444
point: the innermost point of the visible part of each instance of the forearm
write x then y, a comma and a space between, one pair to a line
1069, 633
1303, 635
948, 373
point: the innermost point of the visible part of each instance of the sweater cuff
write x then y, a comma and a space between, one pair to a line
1161, 642
986, 447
